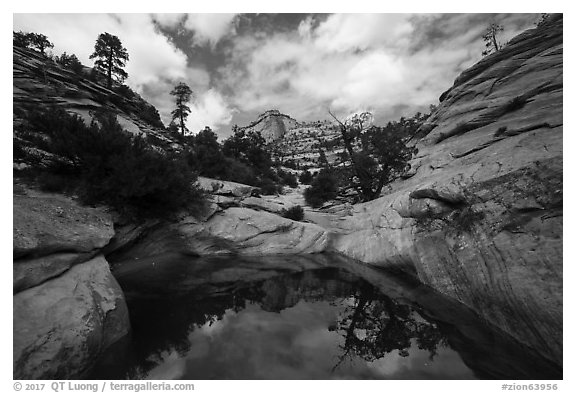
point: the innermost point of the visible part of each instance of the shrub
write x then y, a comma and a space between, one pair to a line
268, 187
500, 131
288, 178
295, 213
239, 172
112, 167
53, 182
515, 104
125, 91
465, 220
306, 177
292, 164
324, 188
71, 62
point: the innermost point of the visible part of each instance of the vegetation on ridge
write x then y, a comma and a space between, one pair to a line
102, 163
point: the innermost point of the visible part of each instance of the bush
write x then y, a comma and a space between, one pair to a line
288, 178
306, 177
71, 62
239, 172
515, 104
500, 131
114, 168
268, 187
295, 213
324, 188
292, 164
53, 182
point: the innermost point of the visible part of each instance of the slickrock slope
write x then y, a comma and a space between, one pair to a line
481, 218
235, 223
38, 82
67, 305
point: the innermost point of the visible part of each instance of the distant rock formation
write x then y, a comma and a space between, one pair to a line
272, 125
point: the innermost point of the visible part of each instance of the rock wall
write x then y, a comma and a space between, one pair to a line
481, 217
68, 308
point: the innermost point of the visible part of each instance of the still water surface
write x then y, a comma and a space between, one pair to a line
224, 318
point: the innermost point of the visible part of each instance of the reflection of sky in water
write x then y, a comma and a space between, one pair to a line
293, 344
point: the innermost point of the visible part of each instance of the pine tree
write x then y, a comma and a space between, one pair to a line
492, 44
111, 57
183, 93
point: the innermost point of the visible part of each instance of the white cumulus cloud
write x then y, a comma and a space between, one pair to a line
209, 109
152, 56
209, 28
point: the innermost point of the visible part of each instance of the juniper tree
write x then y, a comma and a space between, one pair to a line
21, 39
40, 42
111, 57
182, 94
34, 40
377, 154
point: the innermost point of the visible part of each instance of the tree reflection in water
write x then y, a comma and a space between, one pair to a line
293, 303
374, 325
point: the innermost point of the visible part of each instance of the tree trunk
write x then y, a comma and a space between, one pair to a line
365, 188
494, 41
110, 69
182, 122
381, 181
363, 177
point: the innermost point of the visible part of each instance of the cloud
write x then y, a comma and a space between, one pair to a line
209, 28
344, 32
209, 109
158, 92
155, 64
394, 64
152, 57
169, 21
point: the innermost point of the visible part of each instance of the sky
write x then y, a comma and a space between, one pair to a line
240, 65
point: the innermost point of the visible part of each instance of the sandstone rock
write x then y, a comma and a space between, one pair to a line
261, 233
235, 230
498, 247
225, 201
62, 325
45, 224
34, 271
221, 187
272, 125
275, 206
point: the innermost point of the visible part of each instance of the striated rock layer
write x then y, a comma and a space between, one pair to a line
481, 218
